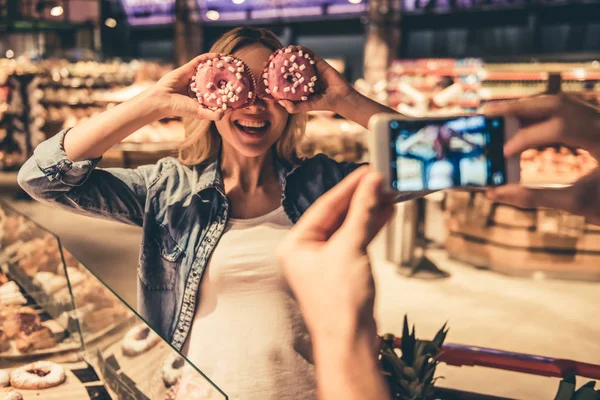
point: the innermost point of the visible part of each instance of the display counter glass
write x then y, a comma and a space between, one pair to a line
64, 334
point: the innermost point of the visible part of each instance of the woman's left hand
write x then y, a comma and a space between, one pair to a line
331, 88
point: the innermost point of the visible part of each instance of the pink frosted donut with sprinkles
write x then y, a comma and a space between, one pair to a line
223, 83
290, 74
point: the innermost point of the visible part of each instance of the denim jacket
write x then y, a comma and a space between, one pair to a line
182, 210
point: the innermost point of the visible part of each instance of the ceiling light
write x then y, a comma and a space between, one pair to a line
579, 73
238, 1
213, 15
56, 11
110, 22
355, 1
10, 53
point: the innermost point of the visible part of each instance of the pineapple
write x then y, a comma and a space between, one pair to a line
566, 390
411, 376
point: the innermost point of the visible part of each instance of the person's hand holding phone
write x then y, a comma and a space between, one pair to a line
324, 260
553, 120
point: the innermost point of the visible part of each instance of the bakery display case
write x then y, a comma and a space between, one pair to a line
65, 335
38, 100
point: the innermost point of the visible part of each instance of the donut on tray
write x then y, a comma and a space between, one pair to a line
290, 74
224, 83
138, 340
172, 369
37, 375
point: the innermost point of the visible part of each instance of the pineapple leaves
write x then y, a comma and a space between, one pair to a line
566, 390
412, 374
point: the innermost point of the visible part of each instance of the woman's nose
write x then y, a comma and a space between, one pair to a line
258, 105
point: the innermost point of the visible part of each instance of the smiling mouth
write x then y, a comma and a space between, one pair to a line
253, 127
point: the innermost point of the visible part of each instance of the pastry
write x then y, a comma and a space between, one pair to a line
40, 254
222, 83
138, 340
10, 295
23, 320
4, 378
4, 346
171, 370
290, 74
37, 375
9, 287
76, 277
40, 337
49, 282
13, 395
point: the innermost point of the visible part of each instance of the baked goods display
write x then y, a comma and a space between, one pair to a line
36, 101
434, 87
223, 82
290, 74
16, 128
68, 314
23, 332
555, 165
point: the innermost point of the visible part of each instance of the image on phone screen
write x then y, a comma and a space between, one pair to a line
440, 154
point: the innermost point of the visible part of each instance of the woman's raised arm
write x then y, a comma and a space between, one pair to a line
168, 97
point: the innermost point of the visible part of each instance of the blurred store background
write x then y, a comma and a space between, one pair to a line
519, 280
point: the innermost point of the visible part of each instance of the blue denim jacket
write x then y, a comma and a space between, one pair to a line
183, 211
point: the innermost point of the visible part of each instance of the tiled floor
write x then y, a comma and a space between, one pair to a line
550, 318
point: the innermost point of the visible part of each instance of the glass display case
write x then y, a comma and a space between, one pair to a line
65, 335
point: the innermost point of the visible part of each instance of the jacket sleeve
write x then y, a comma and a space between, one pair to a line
112, 193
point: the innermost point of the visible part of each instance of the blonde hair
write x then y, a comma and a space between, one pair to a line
202, 138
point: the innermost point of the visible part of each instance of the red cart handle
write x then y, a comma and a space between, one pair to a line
459, 355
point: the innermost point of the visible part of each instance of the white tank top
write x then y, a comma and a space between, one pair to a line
248, 335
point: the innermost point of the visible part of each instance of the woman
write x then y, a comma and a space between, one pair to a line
441, 161
225, 306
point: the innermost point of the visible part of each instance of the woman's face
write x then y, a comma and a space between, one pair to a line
253, 130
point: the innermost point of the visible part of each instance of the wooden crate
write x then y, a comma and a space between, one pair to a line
521, 242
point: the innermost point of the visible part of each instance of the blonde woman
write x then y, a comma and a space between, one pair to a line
208, 279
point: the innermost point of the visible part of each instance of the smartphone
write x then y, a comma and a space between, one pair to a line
425, 155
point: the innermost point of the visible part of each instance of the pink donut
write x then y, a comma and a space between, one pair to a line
290, 74
223, 82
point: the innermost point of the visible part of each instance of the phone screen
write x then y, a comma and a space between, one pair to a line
450, 153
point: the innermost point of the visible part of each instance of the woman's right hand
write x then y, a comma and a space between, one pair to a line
171, 93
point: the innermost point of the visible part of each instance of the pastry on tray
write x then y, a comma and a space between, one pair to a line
37, 375
10, 295
40, 337
138, 340
4, 346
24, 319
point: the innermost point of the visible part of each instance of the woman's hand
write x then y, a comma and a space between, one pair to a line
331, 89
171, 93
